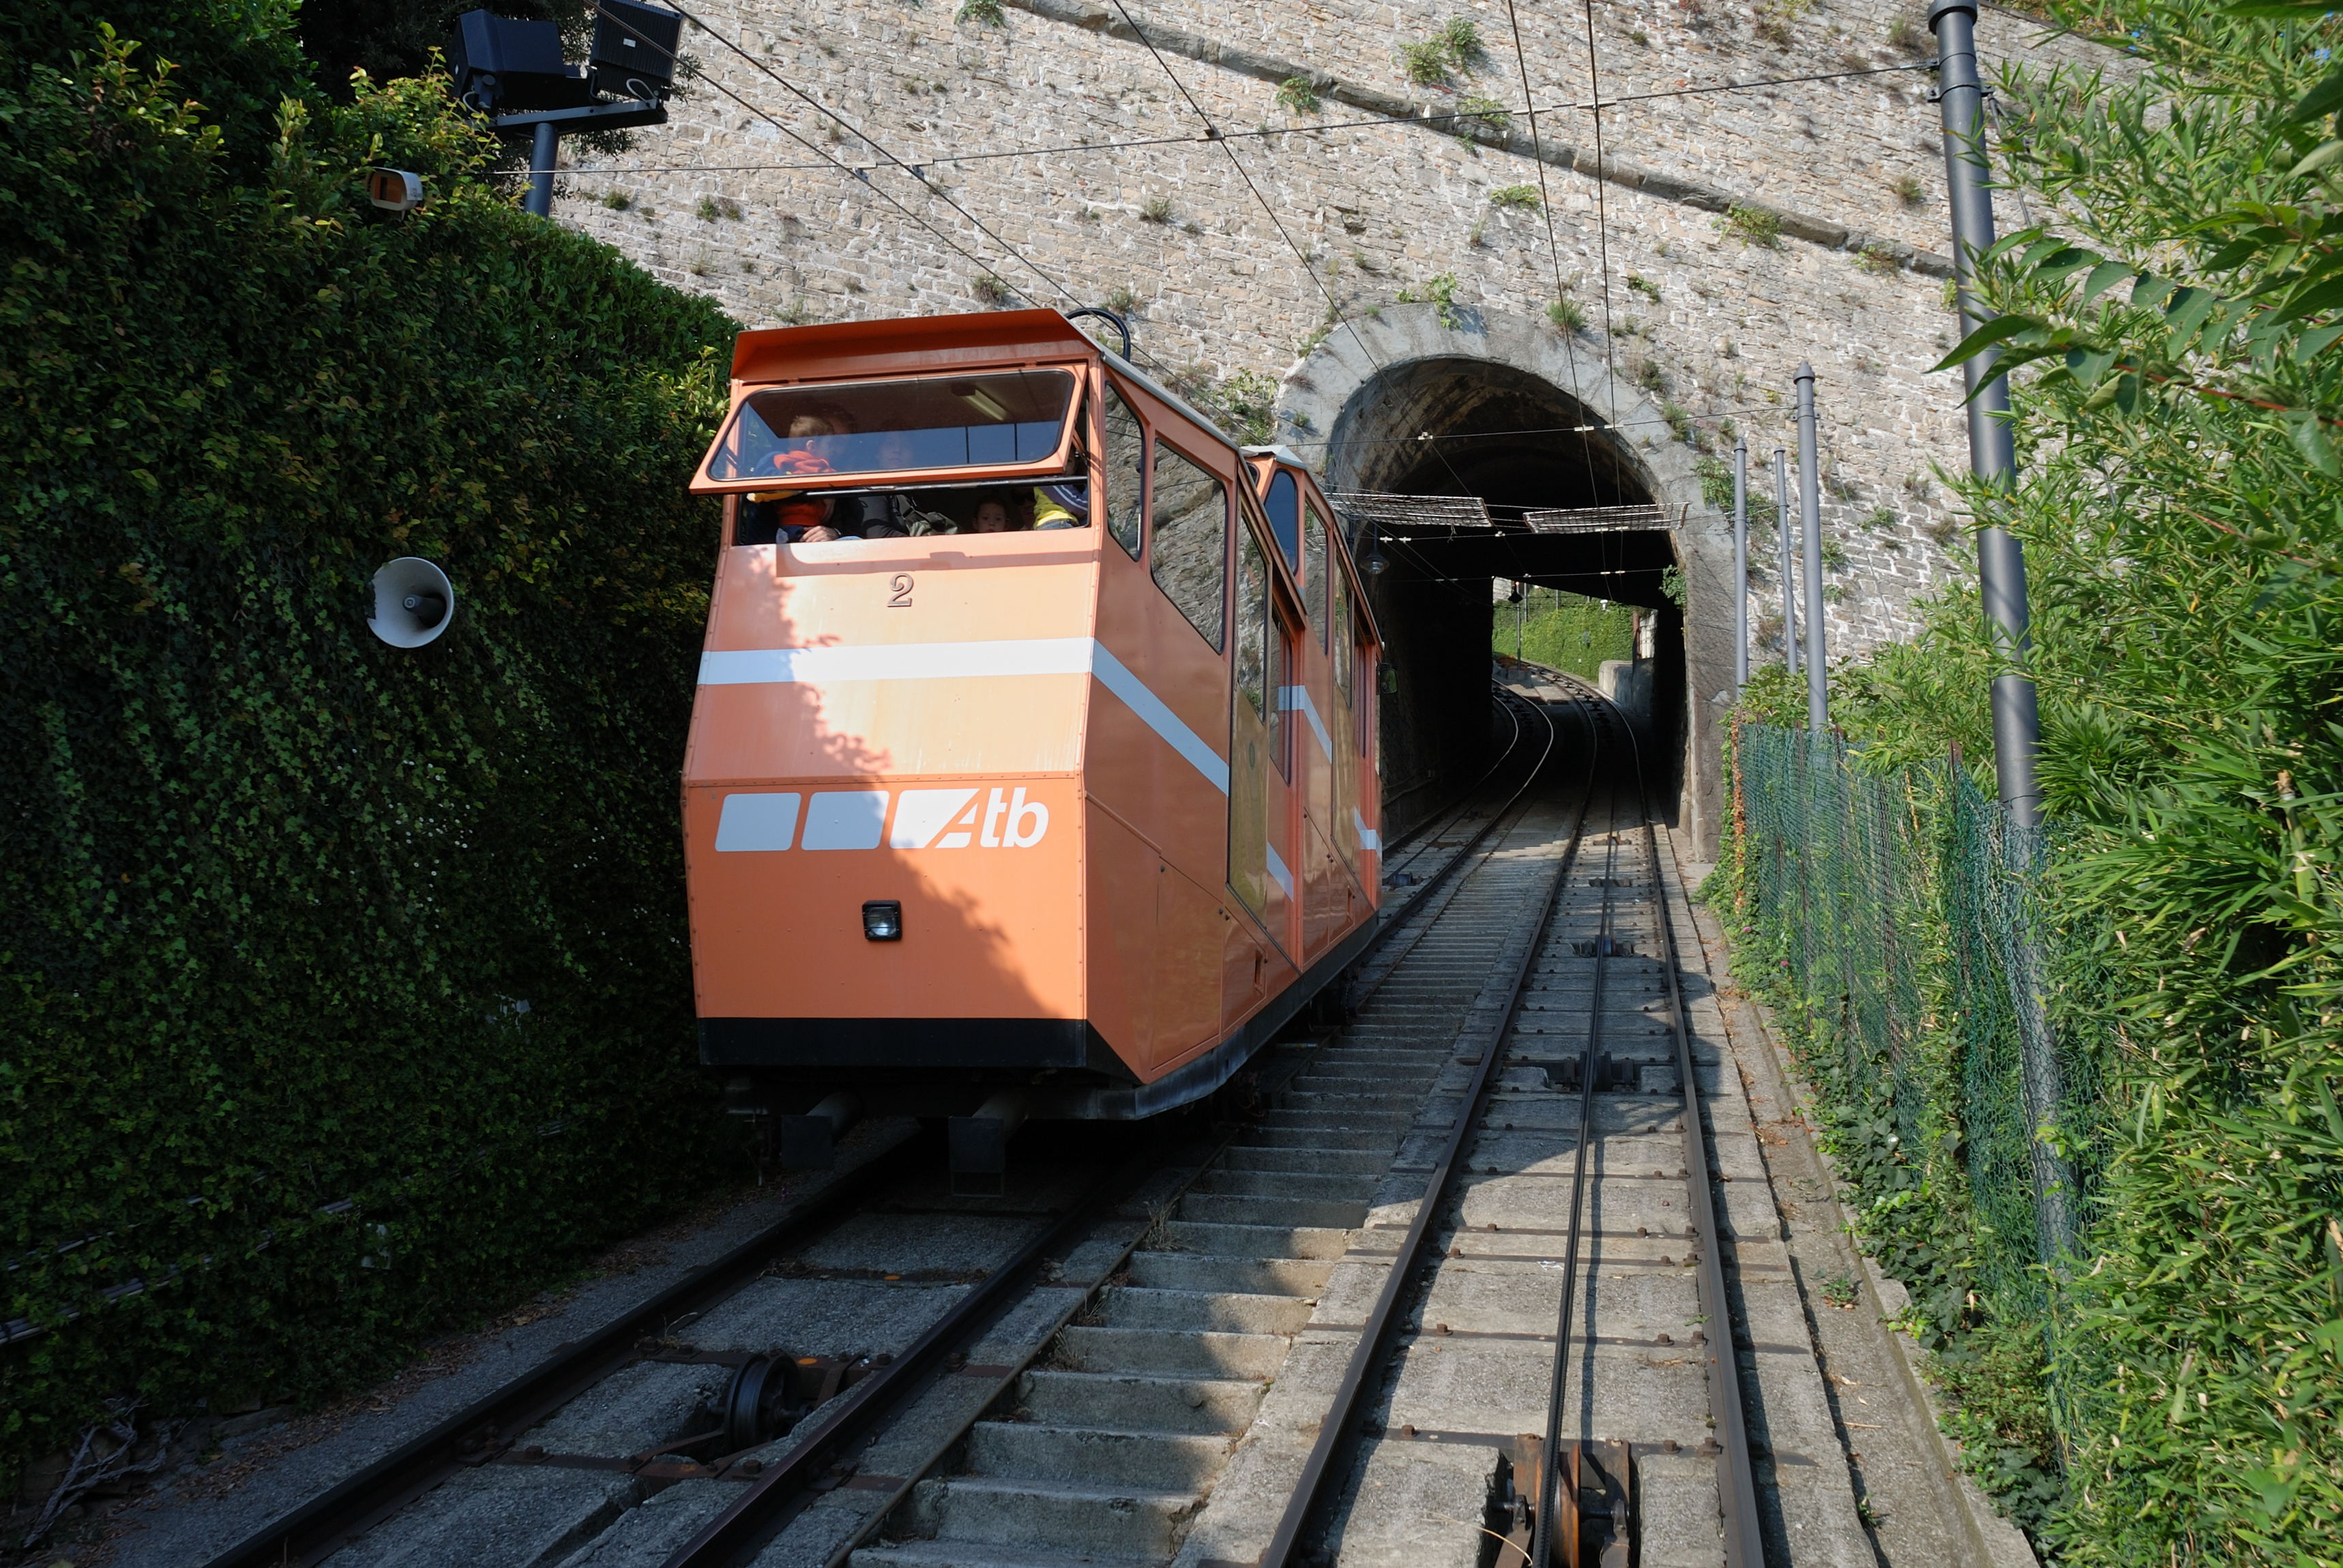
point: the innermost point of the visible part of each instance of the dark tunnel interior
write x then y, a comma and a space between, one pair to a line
1472, 427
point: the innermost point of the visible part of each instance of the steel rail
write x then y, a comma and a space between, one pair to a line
1388, 924
323, 1525
749, 1522
1737, 1480
318, 1528
1744, 1540
1338, 1430
1549, 1498
1449, 813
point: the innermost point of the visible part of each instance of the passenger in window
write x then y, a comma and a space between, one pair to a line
993, 516
788, 517
1061, 505
793, 516
870, 518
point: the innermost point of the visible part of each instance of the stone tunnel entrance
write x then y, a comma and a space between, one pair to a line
1494, 454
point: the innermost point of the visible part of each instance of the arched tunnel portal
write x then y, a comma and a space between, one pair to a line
1520, 419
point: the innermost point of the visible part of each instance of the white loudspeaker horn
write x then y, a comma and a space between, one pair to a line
413, 602
395, 190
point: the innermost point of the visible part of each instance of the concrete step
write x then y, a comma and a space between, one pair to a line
1227, 1241
1205, 1311
1135, 1403
1067, 1515
1370, 1082
1304, 1117
976, 1554
1353, 1161
1159, 1352
1163, 1461
1302, 1278
1339, 1187
1368, 1106
1264, 1136
1417, 1067
1230, 1209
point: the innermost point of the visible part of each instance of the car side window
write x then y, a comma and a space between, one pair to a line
1124, 464
1252, 620
1313, 583
1340, 622
1188, 515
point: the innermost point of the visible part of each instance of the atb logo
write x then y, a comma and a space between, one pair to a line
767, 820
1010, 821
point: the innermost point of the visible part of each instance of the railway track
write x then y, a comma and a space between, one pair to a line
1325, 1328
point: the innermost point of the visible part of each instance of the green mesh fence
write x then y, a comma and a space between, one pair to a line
1908, 920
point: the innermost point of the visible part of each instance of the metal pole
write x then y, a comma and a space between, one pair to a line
545, 150
2001, 561
1789, 583
1740, 564
1810, 513
2001, 583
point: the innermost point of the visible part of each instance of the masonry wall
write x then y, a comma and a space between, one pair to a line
764, 194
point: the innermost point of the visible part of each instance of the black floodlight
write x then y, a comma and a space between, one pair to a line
882, 921
503, 64
635, 48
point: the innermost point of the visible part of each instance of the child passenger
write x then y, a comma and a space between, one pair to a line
993, 516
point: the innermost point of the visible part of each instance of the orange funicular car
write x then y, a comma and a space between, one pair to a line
1031, 771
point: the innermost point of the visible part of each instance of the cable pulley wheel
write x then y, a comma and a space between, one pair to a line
757, 1406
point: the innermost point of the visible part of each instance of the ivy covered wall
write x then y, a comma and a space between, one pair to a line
343, 990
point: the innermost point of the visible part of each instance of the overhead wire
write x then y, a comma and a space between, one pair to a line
1213, 133
876, 146
1552, 245
1631, 422
1602, 219
862, 176
1379, 122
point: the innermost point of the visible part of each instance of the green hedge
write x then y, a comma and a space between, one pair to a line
1564, 630
342, 990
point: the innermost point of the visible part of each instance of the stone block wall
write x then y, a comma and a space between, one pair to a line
1053, 159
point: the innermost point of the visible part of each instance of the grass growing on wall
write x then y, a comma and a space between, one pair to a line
1564, 630
344, 990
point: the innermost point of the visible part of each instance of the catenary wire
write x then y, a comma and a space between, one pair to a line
1379, 122
827, 161
1545, 207
875, 146
1602, 219
863, 176
1212, 132
1717, 414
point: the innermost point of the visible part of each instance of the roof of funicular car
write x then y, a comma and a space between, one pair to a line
847, 350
